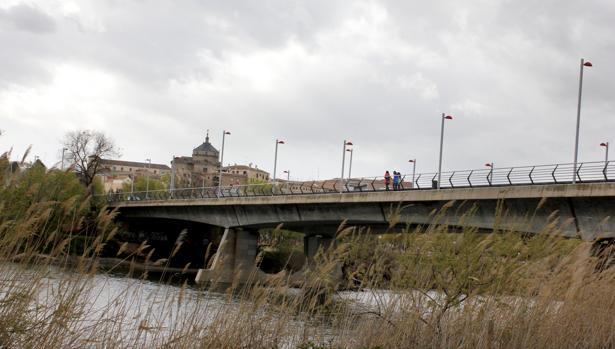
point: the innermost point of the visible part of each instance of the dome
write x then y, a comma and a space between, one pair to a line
205, 147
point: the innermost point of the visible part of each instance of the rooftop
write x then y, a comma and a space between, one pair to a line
244, 167
206, 146
134, 164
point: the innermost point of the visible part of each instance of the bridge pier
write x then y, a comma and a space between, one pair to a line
312, 244
313, 275
235, 261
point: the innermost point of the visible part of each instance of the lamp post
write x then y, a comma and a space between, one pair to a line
346, 143
606, 151
287, 175
63, 150
132, 186
149, 164
275, 159
490, 175
172, 185
444, 117
224, 133
351, 150
413, 161
576, 139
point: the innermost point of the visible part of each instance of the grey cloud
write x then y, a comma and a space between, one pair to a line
507, 70
28, 18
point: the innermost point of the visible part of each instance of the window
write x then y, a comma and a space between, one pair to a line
155, 171
121, 169
245, 172
113, 168
205, 169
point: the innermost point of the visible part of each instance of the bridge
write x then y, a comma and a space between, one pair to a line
528, 199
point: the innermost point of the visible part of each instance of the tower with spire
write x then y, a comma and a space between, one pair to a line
206, 152
200, 169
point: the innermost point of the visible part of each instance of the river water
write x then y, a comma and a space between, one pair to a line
126, 312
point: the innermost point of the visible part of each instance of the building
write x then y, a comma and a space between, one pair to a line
199, 170
202, 169
130, 167
114, 174
252, 174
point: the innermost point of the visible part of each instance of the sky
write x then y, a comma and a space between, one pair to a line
156, 75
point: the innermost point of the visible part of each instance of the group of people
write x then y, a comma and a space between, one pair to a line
396, 180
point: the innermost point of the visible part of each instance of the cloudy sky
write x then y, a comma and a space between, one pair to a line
155, 75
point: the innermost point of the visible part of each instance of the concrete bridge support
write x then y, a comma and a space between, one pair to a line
312, 244
235, 261
313, 275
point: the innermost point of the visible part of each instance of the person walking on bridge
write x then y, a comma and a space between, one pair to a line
396, 177
387, 179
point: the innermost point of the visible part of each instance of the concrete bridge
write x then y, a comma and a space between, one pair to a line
582, 210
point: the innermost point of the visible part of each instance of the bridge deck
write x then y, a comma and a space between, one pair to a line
483, 193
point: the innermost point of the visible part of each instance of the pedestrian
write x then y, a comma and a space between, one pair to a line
395, 180
387, 180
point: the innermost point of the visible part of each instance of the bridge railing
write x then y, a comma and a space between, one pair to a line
599, 171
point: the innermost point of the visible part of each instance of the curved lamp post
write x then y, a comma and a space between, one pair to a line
606, 151
576, 139
275, 160
224, 133
413, 161
346, 144
351, 150
149, 164
444, 117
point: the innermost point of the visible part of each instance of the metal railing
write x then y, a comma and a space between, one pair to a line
599, 171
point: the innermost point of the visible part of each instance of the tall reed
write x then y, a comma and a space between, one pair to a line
422, 287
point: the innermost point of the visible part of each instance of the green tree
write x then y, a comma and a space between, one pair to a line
141, 184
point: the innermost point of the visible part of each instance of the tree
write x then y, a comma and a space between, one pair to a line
141, 184
85, 149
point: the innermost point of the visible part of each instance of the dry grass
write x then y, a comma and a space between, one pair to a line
462, 290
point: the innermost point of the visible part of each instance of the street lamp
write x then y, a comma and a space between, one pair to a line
346, 143
149, 164
63, 150
172, 185
444, 117
287, 175
490, 175
576, 139
351, 150
224, 133
606, 148
132, 185
413, 161
275, 160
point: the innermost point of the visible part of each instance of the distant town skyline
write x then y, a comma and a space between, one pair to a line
155, 76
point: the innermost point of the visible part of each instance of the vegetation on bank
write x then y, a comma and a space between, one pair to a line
462, 289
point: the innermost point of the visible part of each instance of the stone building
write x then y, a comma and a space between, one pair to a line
251, 174
202, 169
115, 173
199, 170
